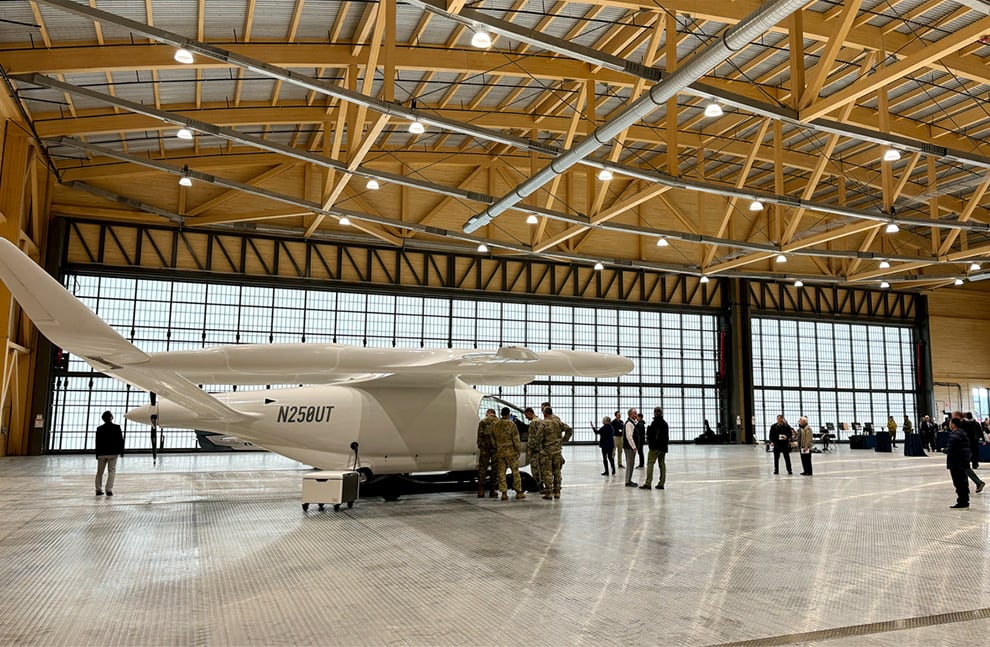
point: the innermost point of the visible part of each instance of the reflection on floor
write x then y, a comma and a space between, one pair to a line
215, 549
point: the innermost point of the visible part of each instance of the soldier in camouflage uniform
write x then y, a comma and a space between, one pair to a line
532, 446
553, 433
486, 452
507, 450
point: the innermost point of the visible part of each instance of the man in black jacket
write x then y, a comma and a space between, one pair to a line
109, 445
658, 437
957, 457
781, 434
974, 433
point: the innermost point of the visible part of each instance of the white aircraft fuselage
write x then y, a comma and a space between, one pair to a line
398, 429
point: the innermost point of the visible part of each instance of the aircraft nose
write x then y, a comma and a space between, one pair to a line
140, 414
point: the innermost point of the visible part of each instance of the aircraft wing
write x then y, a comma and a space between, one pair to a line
69, 324
175, 375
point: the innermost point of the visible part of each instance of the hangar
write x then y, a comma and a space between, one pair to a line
769, 207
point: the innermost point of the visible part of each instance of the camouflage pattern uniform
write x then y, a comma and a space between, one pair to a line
533, 448
507, 450
486, 454
553, 434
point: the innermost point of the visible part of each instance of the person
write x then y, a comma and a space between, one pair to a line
486, 452
892, 428
630, 446
618, 429
957, 457
552, 436
805, 441
658, 436
507, 450
607, 445
971, 428
780, 435
563, 425
532, 449
109, 445
928, 431
908, 427
640, 439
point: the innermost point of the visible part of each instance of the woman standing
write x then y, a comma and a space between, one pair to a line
805, 440
892, 428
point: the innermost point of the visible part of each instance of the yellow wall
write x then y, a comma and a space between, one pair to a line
960, 332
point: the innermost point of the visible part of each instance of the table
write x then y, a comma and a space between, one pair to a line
941, 440
883, 441
914, 446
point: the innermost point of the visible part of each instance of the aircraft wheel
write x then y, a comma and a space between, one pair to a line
528, 482
321, 507
336, 507
350, 504
391, 496
305, 507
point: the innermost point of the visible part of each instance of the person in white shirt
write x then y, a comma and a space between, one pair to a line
629, 446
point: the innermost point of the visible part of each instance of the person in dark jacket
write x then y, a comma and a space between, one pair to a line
658, 437
957, 457
973, 434
928, 430
640, 439
780, 435
606, 443
109, 445
618, 429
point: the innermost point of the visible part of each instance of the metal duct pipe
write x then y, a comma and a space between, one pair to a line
732, 41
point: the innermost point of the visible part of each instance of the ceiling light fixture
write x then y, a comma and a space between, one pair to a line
417, 127
781, 258
756, 205
532, 220
481, 39
892, 228
713, 110
344, 221
372, 185
957, 282
483, 248
605, 175
884, 285
891, 155
799, 283
662, 242
703, 279
599, 266
183, 56
884, 265
975, 267
184, 133
185, 180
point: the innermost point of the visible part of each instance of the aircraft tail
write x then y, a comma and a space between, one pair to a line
60, 316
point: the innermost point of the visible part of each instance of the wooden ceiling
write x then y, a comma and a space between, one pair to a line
294, 106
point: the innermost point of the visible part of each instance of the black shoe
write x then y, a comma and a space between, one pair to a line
613, 472
805, 473
639, 467
646, 487
109, 493
605, 473
960, 505
659, 487
776, 472
631, 484
790, 473
99, 492
979, 488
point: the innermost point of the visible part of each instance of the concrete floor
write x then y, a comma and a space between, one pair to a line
215, 550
